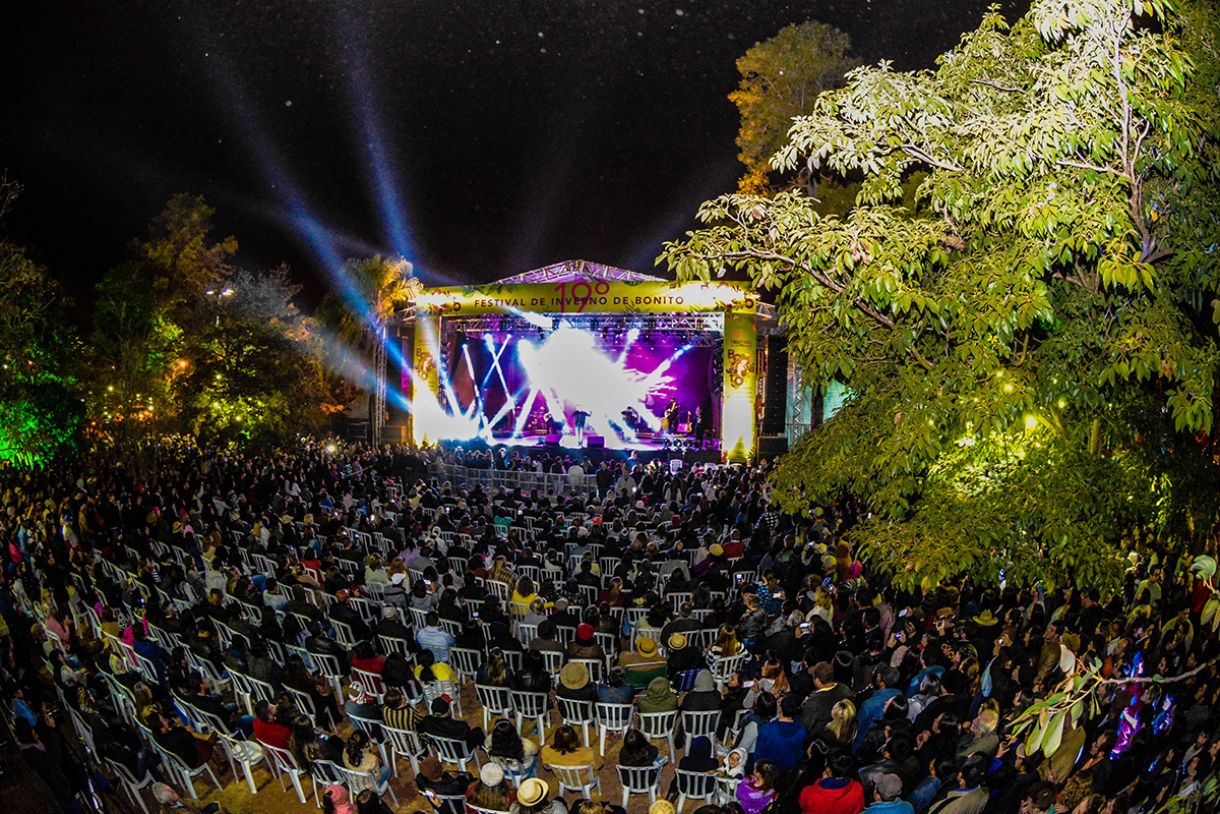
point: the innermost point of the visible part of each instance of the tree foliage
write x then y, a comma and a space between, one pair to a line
780, 78
253, 367
39, 413
1032, 342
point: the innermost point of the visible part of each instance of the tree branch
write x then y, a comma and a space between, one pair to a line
997, 86
919, 155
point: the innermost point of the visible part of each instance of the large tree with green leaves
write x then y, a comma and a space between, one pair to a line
40, 415
252, 367
141, 318
780, 78
1032, 344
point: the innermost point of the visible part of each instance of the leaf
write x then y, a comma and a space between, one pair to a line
1034, 740
1204, 566
1054, 733
1209, 611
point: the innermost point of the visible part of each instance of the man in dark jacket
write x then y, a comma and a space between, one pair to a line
441, 723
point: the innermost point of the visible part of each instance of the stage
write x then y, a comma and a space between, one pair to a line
578, 357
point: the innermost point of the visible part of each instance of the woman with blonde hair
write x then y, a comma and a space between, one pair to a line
842, 726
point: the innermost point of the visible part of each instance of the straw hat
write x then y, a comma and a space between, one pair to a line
574, 676
661, 807
491, 774
532, 792
646, 646
676, 641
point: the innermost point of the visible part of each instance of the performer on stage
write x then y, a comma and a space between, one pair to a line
579, 415
669, 420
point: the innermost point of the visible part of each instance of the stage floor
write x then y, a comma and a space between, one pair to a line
644, 448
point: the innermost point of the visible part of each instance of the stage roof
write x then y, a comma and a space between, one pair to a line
573, 271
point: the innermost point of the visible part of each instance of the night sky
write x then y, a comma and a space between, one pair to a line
505, 135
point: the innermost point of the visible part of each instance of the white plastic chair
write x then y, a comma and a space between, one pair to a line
130, 784
357, 782
531, 705
611, 718
495, 701
404, 743
188, 774
695, 785
639, 780
579, 779
723, 667
659, 726
247, 753
576, 713
700, 724
465, 661
455, 752
283, 764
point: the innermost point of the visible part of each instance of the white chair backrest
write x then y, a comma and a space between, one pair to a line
594, 666
575, 778
615, 717
639, 779
465, 660
451, 750
495, 699
574, 711
529, 704
698, 785
700, 724
658, 724
526, 633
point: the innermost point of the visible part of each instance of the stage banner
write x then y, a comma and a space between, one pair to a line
425, 380
737, 425
592, 297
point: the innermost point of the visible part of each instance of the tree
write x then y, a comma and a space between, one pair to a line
1031, 345
780, 78
138, 335
378, 286
252, 367
39, 413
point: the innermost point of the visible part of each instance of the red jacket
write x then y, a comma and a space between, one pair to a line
271, 733
830, 796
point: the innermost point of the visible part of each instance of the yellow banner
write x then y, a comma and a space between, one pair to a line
589, 297
737, 430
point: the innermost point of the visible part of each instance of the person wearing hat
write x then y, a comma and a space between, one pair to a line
533, 797
662, 807
574, 683
584, 646
682, 657
659, 697
396, 591
886, 794
643, 664
490, 791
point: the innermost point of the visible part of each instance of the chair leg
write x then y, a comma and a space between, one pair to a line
137, 797
245, 767
212, 774
296, 784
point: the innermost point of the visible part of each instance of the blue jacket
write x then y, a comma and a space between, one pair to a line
781, 742
871, 711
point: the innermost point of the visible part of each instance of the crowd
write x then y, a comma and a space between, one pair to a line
341, 615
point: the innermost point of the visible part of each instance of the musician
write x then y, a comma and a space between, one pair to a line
579, 416
669, 420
